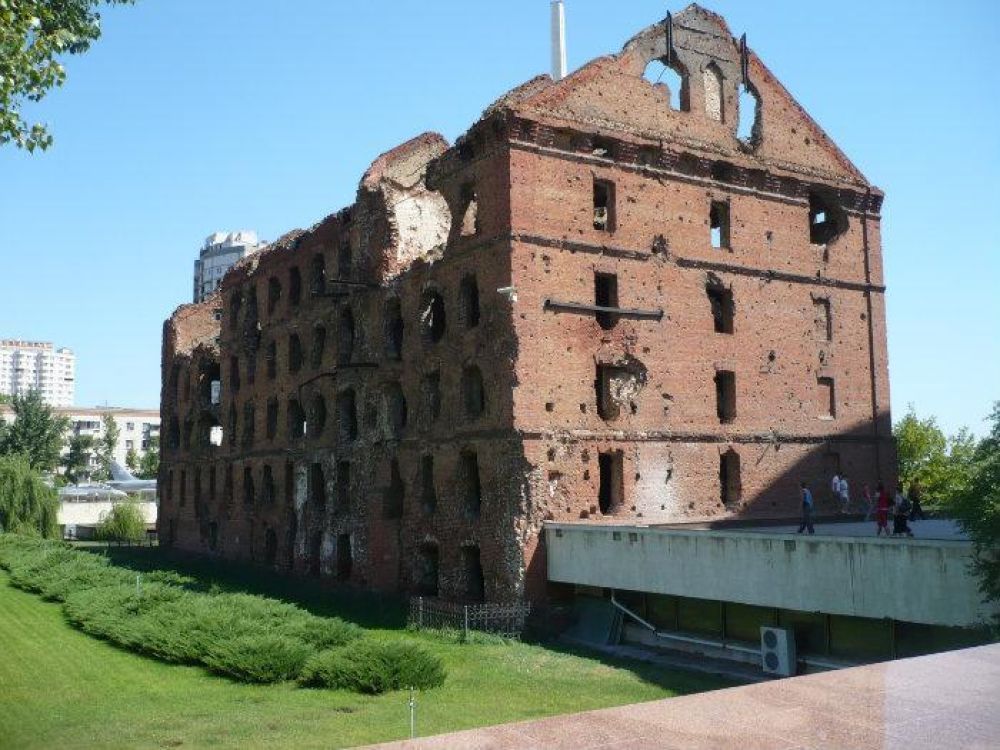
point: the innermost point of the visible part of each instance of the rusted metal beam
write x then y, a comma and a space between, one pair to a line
625, 312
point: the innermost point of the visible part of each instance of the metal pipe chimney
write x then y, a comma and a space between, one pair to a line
558, 40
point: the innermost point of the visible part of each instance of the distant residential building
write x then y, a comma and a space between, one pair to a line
37, 366
221, 252
137, 428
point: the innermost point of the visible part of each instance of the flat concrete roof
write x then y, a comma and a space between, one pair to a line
947, 700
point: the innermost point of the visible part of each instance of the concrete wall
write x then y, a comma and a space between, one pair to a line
90, 514
913, 581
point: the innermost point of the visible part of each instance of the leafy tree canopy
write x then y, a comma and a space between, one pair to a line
27, 504
33, 34
107, 443
36, 431
149, 464
77, 461
940, 464
977, 508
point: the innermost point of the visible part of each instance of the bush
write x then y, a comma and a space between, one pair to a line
258, 658
124, 523
374, 667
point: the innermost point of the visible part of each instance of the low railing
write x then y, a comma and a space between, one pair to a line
506, 620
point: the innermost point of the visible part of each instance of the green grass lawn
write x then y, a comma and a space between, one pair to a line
62, 688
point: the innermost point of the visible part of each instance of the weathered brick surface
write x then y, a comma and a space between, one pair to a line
510, 209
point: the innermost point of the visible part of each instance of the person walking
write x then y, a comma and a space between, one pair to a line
845, 494
807, 509
881, 510
835, 488
901, 511
916, 510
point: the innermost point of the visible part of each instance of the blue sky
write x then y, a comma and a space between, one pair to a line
192, 116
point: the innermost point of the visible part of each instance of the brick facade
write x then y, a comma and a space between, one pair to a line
410, 388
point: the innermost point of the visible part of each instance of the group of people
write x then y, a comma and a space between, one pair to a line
904, 508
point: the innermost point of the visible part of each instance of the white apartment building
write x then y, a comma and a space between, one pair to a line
221, 252
136, 427
37, 366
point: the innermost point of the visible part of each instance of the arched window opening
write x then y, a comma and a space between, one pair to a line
473, 394
472, 573
427, 570
294, 286
469, 210
393, 329
748, 127
345, 337
345, 557
273, 294
730, 487
347, 416
296, 419
471, 483
270, 546
469, 297
271, 428
714, 98
294, 353
317, 415
673, 79
827, 220
395, 491
271, 357
249, 493
318, 346
268, 491
249, 417
317, 274
395, 408
432, 316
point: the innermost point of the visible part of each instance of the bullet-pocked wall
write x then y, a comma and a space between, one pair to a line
607, 300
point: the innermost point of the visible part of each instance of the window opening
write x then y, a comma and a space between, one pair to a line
469, 463
729, 477
604, 206
606, 295
473, 394
725, 395
611, 487
719, 220
723, 310
469, 294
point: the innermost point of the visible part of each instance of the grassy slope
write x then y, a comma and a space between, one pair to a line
61, 688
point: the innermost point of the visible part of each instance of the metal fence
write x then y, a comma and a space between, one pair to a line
500, 619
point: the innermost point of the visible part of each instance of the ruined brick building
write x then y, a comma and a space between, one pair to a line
597, 304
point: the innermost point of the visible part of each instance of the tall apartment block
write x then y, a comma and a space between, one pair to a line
38, 366
649, 292
221, 252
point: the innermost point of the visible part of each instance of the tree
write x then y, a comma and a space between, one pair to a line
27, 504
36, 432
977, 509
149, 464
33, 33
123, 523
107, 443
77, 461
132, 460
940, 464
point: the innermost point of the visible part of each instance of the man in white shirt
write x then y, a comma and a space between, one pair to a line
835, 488
845, 494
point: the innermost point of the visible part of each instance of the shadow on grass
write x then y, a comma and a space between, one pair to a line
674, 678
320, 597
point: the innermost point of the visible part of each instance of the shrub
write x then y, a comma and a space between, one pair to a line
124, 523
258, 658
374, 667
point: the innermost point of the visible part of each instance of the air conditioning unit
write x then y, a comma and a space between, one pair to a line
777, 651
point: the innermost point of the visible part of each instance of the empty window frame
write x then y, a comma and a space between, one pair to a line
730, 486
428, 491
469, 299
430, 388
273, 294
427, 570
268, 491
611, 484
826, 397
720, 300
271, 429
294, 353
317, 416
317, 274
249, 493
249, 420
345, 557
469, 210
344, 260
271, 358
392, 506
606, 295
318, 346
296, 419
432, 316
317, 485
718, 216
473, 393
604, 205
472, 495
395, 410
392, 325
345, 337
472, 574
347, 416
673, 78
294, 286
827, 219
725, 395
